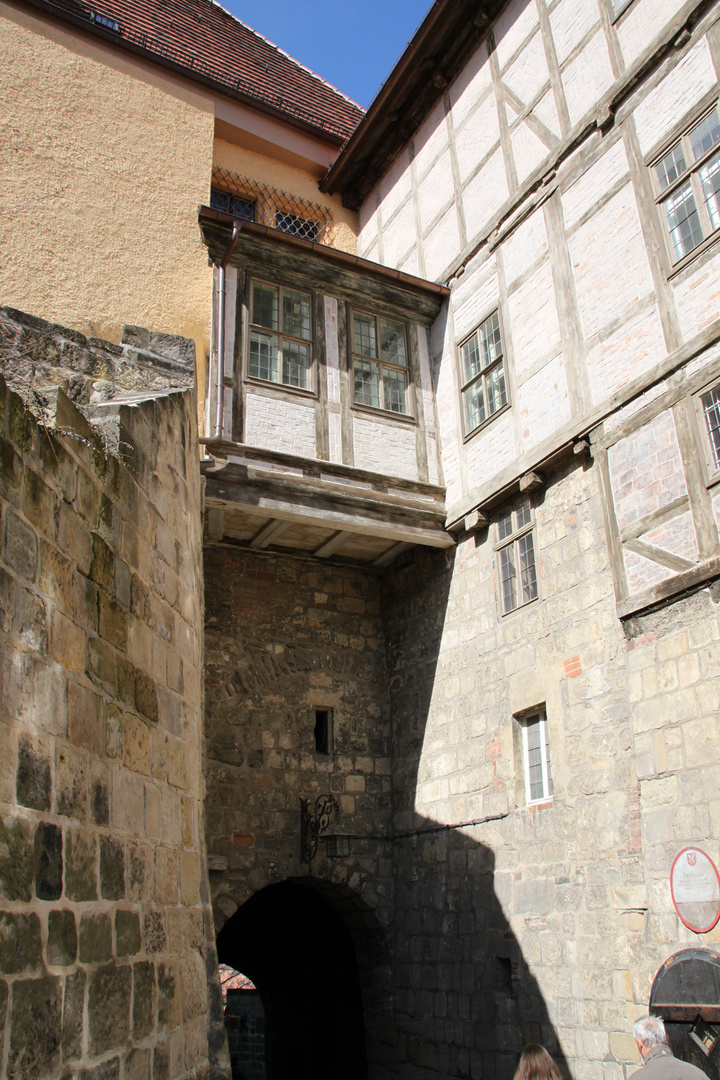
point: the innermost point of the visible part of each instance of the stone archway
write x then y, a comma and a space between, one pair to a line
291, 940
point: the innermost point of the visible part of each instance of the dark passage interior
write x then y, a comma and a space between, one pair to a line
300, 956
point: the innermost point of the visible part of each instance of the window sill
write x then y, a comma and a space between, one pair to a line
520, 607
701, 254
476, 431
383, 414
282, 388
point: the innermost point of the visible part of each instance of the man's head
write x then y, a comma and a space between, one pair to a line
649, 1031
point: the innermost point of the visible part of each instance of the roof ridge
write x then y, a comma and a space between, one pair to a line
287, 55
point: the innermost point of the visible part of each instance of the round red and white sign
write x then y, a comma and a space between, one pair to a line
695, 888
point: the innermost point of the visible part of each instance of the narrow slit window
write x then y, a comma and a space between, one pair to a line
323, 731
536, 755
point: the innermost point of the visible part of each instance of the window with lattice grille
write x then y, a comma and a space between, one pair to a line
232, 204
687, 186
280, 335
483, 379
536, 757
515, 554
380, 362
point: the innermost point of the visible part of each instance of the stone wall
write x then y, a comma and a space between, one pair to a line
106, 930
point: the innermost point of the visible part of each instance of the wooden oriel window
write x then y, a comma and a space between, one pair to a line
687, 186
280, 335
380, 362
482, 374
515, 552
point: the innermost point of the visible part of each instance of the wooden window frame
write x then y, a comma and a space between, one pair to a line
525, 720
465, 384
681, 137
710, 467
256, 380
513, 540
380, 410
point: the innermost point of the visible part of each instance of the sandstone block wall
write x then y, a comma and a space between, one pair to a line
106, 933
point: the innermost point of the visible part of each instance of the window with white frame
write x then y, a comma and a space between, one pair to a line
536, 757
482, 374
707, 411
515, 551
280, 335
687, 186
380, 362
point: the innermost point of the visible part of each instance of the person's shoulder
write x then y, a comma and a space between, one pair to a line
689, 1070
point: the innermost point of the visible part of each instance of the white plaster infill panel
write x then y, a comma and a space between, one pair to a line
490, 450
543, 403
528, 150
524, 246
436, 191
478, 136
385, 448
276, 424
697, 297
395, 186
588, 77
475, 297
610, 262
607, 171
546, 110
675, 96
484, 195
442, 246
528, 74
430, 139
514, 26
642, 24
646, 470
570, 21
470, 85
677, 536
635, 347
534, 326
399, 236
335, 436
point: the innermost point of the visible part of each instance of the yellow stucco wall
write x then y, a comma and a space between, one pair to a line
294, 181
104, 162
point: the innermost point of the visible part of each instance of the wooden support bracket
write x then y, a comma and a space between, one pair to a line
531, 481
268, 533
332, 545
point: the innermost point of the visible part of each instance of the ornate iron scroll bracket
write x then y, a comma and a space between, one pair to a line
314, 821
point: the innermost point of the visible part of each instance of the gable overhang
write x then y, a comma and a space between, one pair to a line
446, 39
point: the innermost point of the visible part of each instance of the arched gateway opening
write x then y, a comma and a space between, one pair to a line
291, 942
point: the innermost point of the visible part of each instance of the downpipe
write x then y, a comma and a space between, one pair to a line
207, 440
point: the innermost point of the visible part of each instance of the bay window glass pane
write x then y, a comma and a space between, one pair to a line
474, 403
705, 135
367, 382
526, 559
365, 335
394, 387
508, 576
710, 180
683, 221
711, 408
296, 360
505, 525
671, 166
471, 358
490, 340
265, 306
495, 389
296, 313
392, 342
264, 356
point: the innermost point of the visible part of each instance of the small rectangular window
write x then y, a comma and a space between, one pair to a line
536, 756
380, 362
323, 731
280, 335
482, 375
515, 549
687, 185
232, 204
297, 226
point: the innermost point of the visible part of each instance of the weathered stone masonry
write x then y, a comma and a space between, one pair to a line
105, 926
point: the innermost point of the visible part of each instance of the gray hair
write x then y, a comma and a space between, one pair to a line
650, 1031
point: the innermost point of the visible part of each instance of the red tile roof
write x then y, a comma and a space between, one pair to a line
211, 46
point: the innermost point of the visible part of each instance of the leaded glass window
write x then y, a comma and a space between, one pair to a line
536, 756
380, 362
516, 557
711, 412
687, 181
280, 335
484, 383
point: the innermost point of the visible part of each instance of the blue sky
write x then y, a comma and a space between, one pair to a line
353, 45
